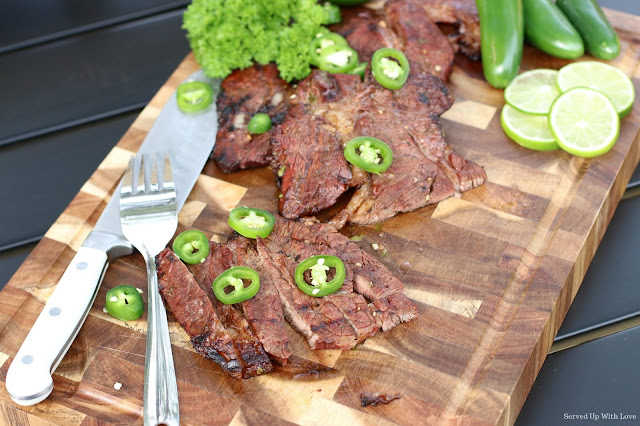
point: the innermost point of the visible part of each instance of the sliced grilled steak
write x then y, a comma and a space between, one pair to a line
327, 110
422, 94
425, 170
256, 89
254, 358
462, 16
195, 314
427, 49
308, 146
298, 242
366, 31
365, 274
319, 320
263, 312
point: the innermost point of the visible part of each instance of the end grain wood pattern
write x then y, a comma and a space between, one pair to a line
493, 274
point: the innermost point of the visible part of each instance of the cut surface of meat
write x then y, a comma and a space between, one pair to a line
244, 93
426, 48
195, 314
366, 31
293, 241
254, 358
317, 319
462, 16
265, 315
263, 312
324, 111
308, 146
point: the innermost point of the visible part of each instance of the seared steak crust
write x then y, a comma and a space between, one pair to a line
256, 89
308, 147
195, 314
263, 312
319, 320
293, 241
254, 359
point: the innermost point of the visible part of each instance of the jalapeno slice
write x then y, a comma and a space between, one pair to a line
316, 281
251, 223
321, 42
234, 280
332, 13
370, 154
338, 59
191, 246
194, 96
359, 70
259, 123
390, 68
124, 302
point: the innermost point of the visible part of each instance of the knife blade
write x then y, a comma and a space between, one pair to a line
189, 139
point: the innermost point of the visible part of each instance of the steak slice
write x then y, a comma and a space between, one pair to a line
299, 242
251, 352
263, 312
366, 31
308, 146
426, 48
195, 314
462, 17
319, 320
425, 170
366, 275
257, 89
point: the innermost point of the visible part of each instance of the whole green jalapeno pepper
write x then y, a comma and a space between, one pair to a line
501, 39
547, 28
600, 39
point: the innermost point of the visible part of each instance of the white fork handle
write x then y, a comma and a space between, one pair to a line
29, 378
160, 387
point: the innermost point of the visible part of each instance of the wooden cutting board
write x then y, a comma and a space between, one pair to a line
493, 274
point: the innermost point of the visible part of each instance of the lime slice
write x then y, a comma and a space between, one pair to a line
597, 75
528, 130
533, 91
584, 122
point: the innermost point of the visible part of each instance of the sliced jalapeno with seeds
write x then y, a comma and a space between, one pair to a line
370, 154
316, 282
319, 43
251, 223
191, 246
124, 302
338, 59
390, 67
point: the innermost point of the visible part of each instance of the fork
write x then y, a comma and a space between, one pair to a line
149, 218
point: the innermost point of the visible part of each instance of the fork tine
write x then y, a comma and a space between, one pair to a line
168, 176
127, 178
154, 178
141, 173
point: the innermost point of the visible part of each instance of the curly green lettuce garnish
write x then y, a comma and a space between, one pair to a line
231, 34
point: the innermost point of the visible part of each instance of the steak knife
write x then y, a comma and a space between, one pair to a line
189, 139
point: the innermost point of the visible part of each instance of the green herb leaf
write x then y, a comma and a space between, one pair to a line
231, 34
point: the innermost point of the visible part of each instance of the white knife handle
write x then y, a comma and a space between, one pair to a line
29, 378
